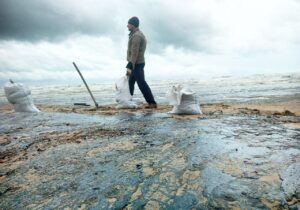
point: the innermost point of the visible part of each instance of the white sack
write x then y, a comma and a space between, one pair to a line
19, 96
184, 100
123, 96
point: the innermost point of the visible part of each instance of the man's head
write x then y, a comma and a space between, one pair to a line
133, 23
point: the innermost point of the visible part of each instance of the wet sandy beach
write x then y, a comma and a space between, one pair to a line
234, 156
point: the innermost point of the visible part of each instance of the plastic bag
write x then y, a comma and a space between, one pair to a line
184, 100
123, 96
19, 96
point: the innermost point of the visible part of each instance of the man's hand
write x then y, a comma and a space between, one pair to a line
129, 66
128, 72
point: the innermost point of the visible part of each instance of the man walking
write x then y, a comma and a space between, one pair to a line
136, 61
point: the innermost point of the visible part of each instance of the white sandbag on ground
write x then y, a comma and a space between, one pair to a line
184, 101
123, 96
19, 96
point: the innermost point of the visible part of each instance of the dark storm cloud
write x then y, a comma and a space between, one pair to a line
34, 20
177, 24
179, 32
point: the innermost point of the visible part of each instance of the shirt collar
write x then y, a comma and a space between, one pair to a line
133, 31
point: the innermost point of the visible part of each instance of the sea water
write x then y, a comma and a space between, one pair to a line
215, 90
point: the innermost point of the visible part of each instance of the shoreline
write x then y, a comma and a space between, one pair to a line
279, 105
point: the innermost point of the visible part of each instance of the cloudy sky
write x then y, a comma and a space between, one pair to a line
39, 40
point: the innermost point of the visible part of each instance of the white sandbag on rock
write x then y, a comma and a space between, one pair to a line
19, 96
184, 101
123, 96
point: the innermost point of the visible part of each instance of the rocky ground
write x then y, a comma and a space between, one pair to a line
234, 156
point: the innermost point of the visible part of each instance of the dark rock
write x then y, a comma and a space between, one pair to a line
139, 166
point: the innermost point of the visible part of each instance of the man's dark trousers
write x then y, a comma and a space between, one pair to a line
137, 75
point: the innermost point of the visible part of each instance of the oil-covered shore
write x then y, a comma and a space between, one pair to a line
234, 156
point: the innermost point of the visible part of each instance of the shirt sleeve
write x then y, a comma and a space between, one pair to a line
136, 42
